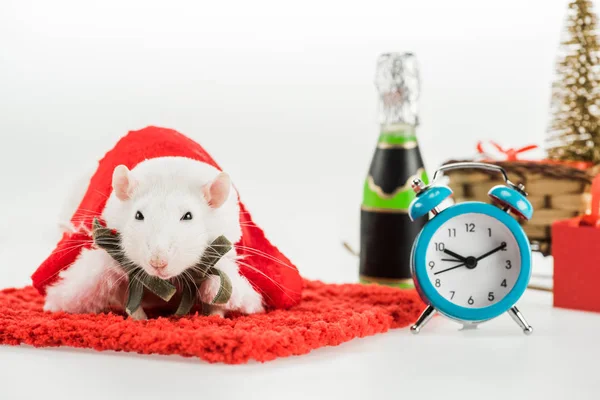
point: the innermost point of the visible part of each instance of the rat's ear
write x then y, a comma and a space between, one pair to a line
217, 191
123, 183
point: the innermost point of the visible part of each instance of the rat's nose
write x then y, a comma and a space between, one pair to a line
158, 263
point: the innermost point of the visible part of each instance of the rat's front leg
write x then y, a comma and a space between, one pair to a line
243, 296
89, 285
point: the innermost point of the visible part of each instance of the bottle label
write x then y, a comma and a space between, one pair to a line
396, 162
375, 197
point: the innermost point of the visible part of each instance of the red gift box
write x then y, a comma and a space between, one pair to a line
576, 259
576, 265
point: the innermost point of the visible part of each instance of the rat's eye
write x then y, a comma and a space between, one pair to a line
187, 216
139, 216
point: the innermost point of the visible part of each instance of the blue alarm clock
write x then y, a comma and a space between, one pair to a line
471, 261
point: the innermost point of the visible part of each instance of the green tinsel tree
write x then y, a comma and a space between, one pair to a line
574, 133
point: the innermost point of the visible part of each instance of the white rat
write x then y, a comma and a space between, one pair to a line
167, 210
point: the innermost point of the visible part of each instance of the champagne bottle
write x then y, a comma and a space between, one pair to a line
387, 233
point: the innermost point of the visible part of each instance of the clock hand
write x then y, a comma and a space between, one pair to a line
450, 259
451, 268
489, 253
453, 254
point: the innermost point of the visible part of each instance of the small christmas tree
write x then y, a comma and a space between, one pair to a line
574, 133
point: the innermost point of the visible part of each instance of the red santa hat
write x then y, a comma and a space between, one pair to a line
270, 273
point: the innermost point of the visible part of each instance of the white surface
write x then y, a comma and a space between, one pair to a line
283, 97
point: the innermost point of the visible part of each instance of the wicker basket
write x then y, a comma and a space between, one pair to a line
555, 191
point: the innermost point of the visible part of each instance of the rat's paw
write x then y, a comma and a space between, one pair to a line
51, 305
209, 289
243, 296
64, 296
56, 302
250, 302
139, 315
217, 310
85, 287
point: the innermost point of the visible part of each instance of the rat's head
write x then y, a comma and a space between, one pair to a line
169, 210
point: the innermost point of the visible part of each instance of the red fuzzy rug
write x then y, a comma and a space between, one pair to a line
327, 316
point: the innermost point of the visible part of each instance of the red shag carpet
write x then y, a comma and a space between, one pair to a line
327, 316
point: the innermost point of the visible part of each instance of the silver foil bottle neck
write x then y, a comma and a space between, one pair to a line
397, 80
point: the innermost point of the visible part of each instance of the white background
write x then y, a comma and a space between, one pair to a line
282, 95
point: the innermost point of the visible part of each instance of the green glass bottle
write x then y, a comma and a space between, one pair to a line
387, 233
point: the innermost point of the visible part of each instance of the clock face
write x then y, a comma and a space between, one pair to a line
473, 260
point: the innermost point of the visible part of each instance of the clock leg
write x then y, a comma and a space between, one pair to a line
520, 320
423, 319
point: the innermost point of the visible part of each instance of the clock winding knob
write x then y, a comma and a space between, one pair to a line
417, 185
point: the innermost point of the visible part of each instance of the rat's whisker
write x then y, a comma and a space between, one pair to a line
106, 196
120, 272
257, 252
264, 293
191, 279
65, 249
279, 286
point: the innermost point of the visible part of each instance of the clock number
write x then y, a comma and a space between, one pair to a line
438, 283
503, 284
508, 265
491, 296
505, 246
440, 246
431, 264
453, 292
471, 301
470, 227
451, 232
490, 232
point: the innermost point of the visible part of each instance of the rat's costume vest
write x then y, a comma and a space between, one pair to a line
278, 281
